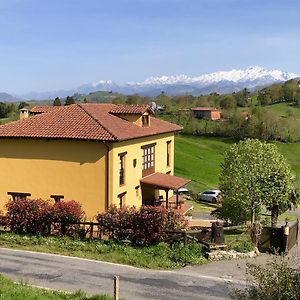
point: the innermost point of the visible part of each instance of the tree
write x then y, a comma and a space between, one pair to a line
69, 100
254, 175
23, 105
57, 102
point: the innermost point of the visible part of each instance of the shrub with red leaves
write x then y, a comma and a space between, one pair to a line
65, 212
142, 227
28, 216
3, 220
31, 216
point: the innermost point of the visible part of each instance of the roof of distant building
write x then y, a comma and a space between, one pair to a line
88, 121
205, 109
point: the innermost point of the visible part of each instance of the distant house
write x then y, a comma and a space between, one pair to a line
210, 113
97, 154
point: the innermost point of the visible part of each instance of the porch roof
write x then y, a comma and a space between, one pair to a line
164, 181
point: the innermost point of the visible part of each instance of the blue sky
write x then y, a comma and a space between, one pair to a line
60, 44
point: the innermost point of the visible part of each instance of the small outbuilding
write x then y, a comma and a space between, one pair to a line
210, 113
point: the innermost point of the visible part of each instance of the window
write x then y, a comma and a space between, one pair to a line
148, 159
121, 200
145, 121
168, 153
18, 195
137, 191
122, 168
57, 198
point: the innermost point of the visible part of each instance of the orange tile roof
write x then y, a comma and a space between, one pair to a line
131, 109
84, 122
205, 108
42, 109
164, 181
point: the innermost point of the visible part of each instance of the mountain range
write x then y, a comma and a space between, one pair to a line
220, 82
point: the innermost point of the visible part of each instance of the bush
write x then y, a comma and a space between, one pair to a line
3, 219
34, 216
65, 212
142, 227
277, 281
28, 216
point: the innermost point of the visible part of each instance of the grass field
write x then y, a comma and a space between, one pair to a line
10, 290
284, 110
200, 158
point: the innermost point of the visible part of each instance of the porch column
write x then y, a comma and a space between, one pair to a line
167, 199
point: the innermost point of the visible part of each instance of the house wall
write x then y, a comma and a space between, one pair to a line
134, 174
75, 169
215, 115
133, 118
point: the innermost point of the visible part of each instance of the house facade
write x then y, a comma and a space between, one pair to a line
210, 113
96, 154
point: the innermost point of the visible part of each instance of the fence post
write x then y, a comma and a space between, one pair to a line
92, 230
116, 287
185, 241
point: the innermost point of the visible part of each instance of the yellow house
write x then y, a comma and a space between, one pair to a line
97, 154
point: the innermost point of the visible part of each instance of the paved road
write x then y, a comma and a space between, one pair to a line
70, 274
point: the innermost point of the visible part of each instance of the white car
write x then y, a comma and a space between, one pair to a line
183, 192
209, 196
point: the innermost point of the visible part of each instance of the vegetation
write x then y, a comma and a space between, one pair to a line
143, 226
254, 175
202, 161
20, 291
276, 281
57, 102
238, 240
160, 256
69, 101
6, 110
200, 158
34, 216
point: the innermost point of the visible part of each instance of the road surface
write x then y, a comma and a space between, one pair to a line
70, 274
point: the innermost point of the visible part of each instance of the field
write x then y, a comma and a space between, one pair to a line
200, 158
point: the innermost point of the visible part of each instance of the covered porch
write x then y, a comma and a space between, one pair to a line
153, 184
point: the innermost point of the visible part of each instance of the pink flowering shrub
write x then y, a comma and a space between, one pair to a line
34, 216
143, 226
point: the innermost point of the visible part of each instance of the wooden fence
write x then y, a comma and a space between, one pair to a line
278, 239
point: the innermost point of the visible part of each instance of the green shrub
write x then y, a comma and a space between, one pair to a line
277, 281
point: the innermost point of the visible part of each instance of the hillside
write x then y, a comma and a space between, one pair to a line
100, 97
5, 97
200, 158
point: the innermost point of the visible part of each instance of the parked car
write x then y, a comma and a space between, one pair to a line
183, 192
209, 196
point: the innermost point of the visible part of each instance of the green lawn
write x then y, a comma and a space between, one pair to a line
200, 158
199, 207
10, 290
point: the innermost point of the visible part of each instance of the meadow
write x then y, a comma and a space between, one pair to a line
200, 159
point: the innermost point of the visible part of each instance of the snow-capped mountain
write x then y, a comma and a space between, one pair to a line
219, 82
